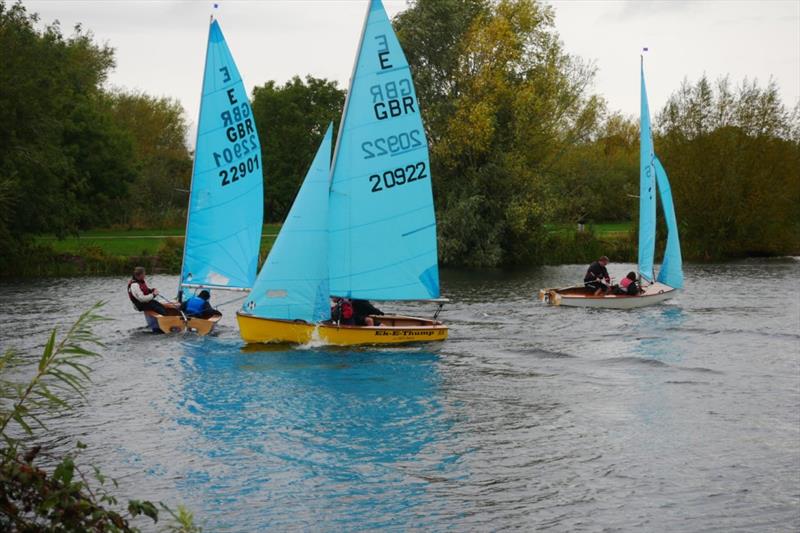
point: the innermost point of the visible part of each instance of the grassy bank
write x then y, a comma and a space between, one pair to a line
116, 252
131, 243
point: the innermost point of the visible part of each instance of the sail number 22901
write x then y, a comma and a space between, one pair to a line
235, 172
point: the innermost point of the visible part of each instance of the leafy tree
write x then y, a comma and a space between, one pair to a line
734, 164
517, 103
596, 180
163, 164
291, 120
64, 160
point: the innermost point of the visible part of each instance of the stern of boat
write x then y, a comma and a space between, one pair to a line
550, 296
394, 329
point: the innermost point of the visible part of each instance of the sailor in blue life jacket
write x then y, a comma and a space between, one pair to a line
199, 306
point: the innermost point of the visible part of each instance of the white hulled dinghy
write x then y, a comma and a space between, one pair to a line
652, 177
363, 228
226, 198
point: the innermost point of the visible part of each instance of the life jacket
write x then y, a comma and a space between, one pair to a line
625, 282
144, 288
346, 310
195, 306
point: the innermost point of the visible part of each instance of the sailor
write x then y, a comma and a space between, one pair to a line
342, 311
628, 285
143, 297
199, 306
597, 279
362, 309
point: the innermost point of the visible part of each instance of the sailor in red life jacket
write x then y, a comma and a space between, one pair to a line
143, 297
349, 312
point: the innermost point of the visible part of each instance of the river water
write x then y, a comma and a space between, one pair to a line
680, 417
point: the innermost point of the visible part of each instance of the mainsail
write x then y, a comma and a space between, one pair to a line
671, 272
293, 283
226, 209
382, 224
647, 190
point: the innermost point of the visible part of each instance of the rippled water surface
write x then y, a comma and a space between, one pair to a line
681, 417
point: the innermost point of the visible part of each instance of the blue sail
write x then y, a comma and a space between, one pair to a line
293, 283
647, 191
671, 272
382, 222
226, 202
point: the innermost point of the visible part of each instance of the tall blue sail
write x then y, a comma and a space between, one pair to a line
382, 221
226, 202
671, 272
647, 191
293, 283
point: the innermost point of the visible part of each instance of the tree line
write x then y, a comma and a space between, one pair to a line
519, 143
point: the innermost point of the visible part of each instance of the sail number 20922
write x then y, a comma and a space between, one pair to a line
393, 144
398, 176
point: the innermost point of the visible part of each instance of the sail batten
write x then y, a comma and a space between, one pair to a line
225, 215
382, 223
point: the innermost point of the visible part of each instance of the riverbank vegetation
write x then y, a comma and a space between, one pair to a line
41, 487
521, 149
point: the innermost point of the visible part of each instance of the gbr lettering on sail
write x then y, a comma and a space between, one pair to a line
241, 134
389, 100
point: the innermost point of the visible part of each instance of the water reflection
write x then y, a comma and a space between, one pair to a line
661, 342
332, 431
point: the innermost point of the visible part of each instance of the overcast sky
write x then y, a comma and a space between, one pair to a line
160, 45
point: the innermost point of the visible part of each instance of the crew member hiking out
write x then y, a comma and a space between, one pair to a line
143, 297
597, 279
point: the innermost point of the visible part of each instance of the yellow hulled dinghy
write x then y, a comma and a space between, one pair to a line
363, 227
226, 208
393, 329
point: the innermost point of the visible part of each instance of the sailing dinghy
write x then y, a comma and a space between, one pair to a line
226, 209
364, 228
652, 178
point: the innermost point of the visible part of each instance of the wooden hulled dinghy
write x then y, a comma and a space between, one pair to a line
226, 209
178, 322
652, 178
580, 297
363, 228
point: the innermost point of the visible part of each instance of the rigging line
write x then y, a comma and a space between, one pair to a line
245, 295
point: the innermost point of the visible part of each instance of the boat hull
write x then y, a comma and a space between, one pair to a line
578, 297
394, 329
177, 323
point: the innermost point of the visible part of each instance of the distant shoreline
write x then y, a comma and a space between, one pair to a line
115, 252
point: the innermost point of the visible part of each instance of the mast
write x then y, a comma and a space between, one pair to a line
350, 89
194, 162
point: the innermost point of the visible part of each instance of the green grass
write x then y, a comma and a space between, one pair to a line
127, 243
601, 230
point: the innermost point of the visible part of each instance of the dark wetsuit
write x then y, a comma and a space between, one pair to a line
595, 276
362, 309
